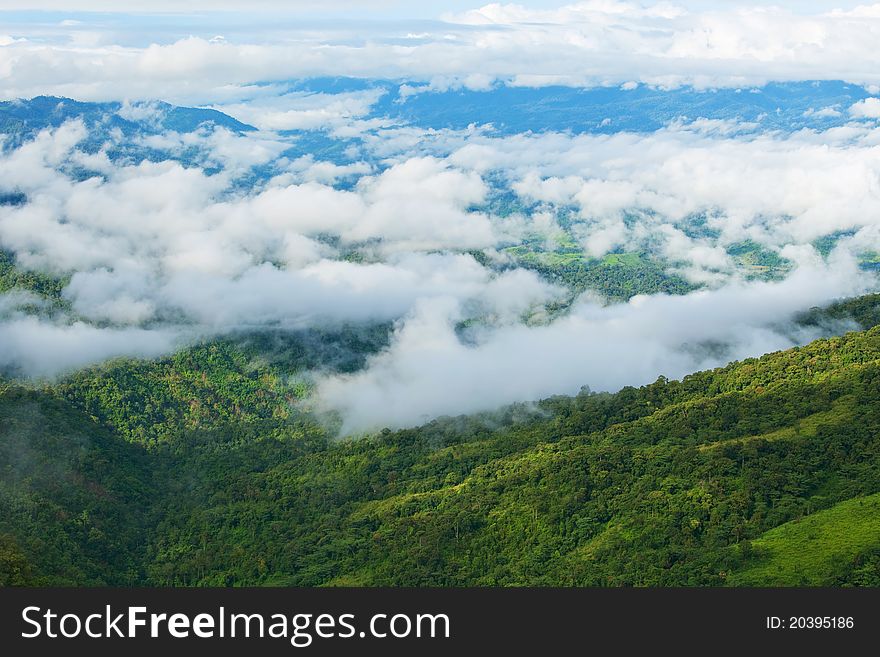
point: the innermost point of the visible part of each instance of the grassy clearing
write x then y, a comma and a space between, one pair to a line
813, 550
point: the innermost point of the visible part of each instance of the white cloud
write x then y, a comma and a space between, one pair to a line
303, 110
45, 349
587, 43
869, 108
325, 292
777, 189
823, 113
428, 372
139, 238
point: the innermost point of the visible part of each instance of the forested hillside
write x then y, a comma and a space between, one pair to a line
202, 469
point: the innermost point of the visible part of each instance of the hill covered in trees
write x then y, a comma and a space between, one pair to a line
202, 469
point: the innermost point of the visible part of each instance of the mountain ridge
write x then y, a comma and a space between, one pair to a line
674, 483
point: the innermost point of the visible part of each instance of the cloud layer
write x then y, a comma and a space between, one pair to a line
158, 253
428, 372
597, 42
329, 213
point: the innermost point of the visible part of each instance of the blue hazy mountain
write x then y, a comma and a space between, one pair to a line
118, 129
22, 117
504, 110
776, 106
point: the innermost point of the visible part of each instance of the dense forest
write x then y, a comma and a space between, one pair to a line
206, 468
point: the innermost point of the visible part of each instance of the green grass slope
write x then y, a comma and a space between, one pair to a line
816, 550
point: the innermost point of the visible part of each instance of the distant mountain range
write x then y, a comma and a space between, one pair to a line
602, 110
123, 130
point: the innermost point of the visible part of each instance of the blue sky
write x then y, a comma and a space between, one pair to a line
384, 9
